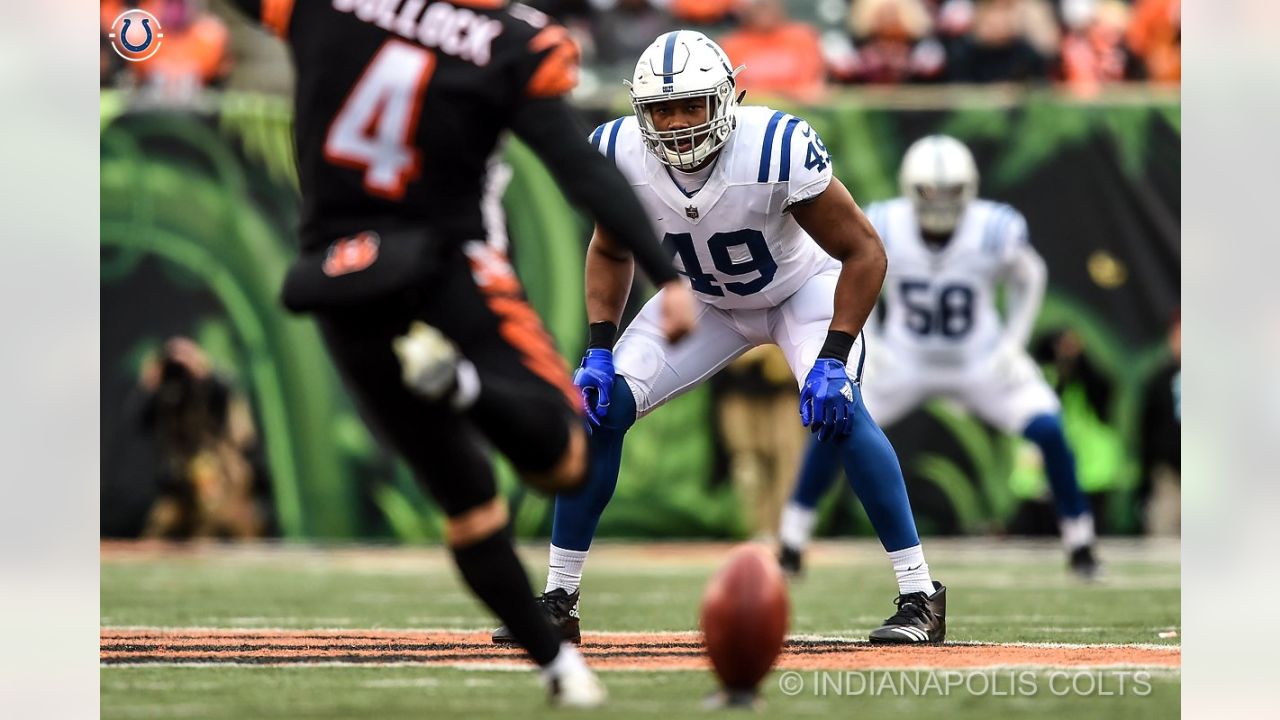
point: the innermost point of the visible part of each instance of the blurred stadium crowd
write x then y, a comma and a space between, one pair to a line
795, 48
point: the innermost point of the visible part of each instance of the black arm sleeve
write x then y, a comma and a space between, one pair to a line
556, 134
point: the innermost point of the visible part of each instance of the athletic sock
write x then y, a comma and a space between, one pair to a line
494, 573
912, 570
467, 389
564, 569
567, 660
796, 526
1077, 532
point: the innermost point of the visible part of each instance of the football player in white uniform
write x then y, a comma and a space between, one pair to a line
942, 335
776, 251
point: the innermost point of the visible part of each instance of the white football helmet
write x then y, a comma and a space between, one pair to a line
940, 177
683, 64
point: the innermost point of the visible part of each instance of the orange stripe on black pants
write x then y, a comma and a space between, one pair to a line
520, 326
276, 15
518, 323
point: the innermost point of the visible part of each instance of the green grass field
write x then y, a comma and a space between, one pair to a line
999, 592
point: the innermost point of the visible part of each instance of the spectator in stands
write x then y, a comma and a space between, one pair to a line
1040, 26
1008, 40
194, 51
1093, 49
565, 10
702, 12
894, 43
579, 18
111, 67
1155, 35
953, 18
195, 48
622, 29
782, 57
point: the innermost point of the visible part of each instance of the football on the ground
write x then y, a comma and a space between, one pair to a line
744, 618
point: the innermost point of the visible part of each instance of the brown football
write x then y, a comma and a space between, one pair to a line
744, 617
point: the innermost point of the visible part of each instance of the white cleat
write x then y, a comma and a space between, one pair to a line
431, 366
570, 683
578, 688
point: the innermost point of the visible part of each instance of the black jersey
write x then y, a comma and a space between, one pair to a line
400, 103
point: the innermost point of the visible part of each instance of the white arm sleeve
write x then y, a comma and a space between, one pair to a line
1025, 276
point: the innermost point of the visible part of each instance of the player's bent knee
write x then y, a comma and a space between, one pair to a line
569, 472
622, 407
476, 524
1045, 430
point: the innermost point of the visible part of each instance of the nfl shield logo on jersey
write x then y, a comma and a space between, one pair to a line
692, 212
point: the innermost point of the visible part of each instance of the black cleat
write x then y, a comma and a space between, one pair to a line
792, 562
921, 619
1083, 563
561, 609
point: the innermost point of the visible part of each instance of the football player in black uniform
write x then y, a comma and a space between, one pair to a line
399, 104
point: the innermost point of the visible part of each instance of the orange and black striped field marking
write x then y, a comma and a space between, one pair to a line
638, 651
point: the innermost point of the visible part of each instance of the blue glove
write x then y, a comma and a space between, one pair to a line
595, 379
826, 400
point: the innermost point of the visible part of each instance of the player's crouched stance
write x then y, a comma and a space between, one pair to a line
776, 251
943, 336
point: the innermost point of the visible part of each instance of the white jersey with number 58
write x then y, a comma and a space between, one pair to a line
733, 238
940, 303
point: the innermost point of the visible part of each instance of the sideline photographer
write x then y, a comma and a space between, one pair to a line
201, 429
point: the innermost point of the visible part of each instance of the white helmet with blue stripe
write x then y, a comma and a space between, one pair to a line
683, 64
940, 178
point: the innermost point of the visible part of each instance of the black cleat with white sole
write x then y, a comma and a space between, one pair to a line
1084, 563
792, 562
561, 609
921, 619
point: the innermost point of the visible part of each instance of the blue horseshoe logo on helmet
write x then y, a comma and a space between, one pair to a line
124, 35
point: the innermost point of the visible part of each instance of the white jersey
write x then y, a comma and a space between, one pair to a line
732, 238
940, 304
